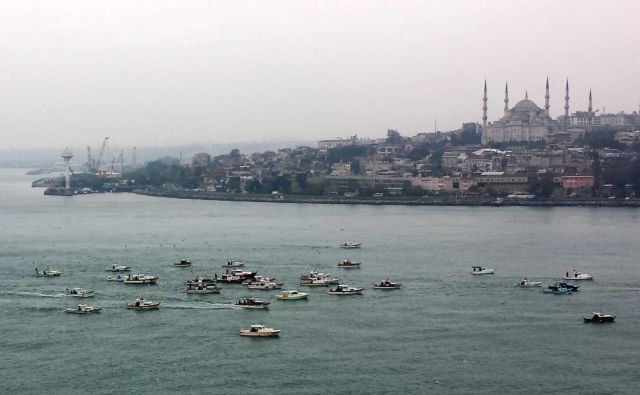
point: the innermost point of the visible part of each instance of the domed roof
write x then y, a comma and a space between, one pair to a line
526, 105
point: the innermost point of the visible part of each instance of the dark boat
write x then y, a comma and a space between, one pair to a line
599, 317
563, 284
251, 303
235, 276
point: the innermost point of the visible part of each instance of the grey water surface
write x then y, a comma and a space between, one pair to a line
444, 331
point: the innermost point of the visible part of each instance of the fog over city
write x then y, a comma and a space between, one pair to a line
181, 72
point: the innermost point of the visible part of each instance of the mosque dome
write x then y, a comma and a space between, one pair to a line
526, 105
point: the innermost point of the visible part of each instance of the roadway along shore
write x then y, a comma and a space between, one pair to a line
402, 200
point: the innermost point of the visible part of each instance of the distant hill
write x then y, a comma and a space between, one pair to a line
47, 157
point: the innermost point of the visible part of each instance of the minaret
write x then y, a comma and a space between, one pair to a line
506, 99
546, 98
484, 108
526, 94
566, 106
546, 104
589, 112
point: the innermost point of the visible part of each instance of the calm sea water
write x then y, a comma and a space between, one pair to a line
445, 331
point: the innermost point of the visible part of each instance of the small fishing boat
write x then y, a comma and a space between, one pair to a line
259, 331
344, 289
478, 270
350, 244
118, 268
47, 272
235, 276
141, 279
264, 285
251, 303
141, 304
558, 291
292, 295
386, 284
578, 276
182, 263
202, 288
83, 309
258, 279
233, 264
563, 284
316, 282
199, 280
525, 283
600, 317
349, 264
119, 277
79, 293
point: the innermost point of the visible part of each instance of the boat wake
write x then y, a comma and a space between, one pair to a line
36, 294
208, 306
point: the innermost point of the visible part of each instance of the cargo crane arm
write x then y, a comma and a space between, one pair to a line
104, 145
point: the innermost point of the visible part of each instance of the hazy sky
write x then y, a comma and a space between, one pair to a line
170, 72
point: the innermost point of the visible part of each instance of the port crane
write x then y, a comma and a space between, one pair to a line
99, 161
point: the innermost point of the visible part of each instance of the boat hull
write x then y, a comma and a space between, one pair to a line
260, 334
76, 311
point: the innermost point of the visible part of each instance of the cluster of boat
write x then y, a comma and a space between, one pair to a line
561, 287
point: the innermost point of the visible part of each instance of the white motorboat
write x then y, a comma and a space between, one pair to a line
350, 244
386, 284
141, 304
83, 309
578, 276
258, 279
600, 317
264, 285
182, 263
119, 278
141, 279
259, 331
525, 283
315, 278
48, 272
251, 303
202, 288
478, 270
349, 264
292, 295
118, 268
233, 264
79, 293
344, 289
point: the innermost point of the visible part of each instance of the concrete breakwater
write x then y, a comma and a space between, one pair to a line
401, 200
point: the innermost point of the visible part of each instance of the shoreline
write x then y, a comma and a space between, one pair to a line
389, 201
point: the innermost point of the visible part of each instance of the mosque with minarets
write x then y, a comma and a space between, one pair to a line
527, 122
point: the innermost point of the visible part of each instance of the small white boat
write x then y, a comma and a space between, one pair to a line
600, 317
119, 278
350, 244
202, 288
292, 295
316, 282
344, 289
251, 303
578, 276
83, 309
264, 285
141, 279
182, 263
349, 264
258, 279
386, 284
259, 331
79, 293
525, 283
478, 270
233, 264
141, 304
118, 268
47, 272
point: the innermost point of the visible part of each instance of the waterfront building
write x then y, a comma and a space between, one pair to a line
578, 182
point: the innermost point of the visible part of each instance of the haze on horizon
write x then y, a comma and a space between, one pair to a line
161, 72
